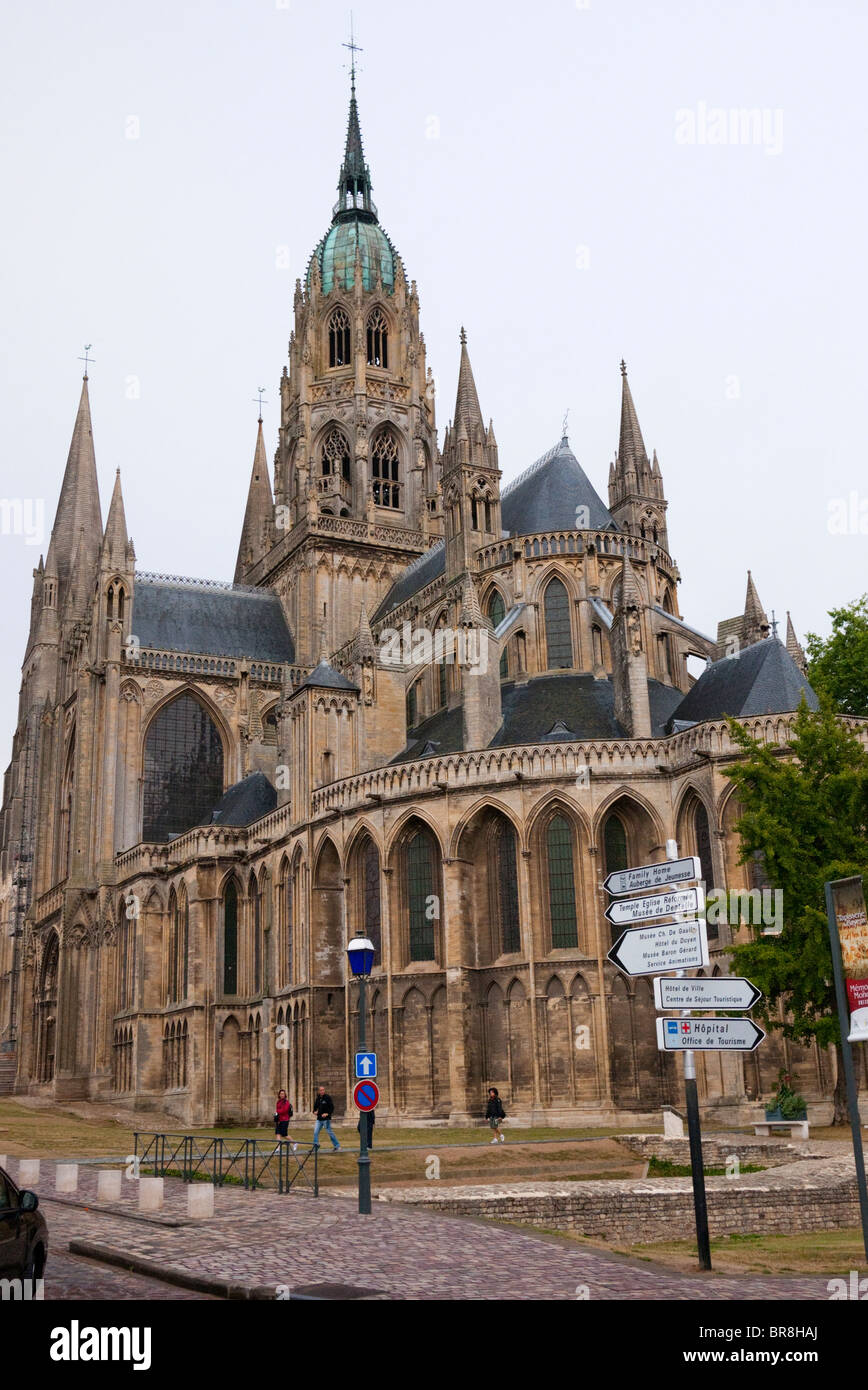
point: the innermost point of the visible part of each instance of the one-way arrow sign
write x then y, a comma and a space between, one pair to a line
647, 876
722, 993
650, 950
624, 912
708, 1035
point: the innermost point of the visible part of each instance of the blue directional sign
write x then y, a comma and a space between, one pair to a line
366, 1064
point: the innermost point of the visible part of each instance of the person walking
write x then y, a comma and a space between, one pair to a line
494, 1113
324, 1108
282, 1117
368, 1117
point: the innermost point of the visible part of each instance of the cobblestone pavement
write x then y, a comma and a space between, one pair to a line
70, 1277
272, 1241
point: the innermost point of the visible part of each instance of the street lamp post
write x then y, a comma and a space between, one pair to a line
361, 957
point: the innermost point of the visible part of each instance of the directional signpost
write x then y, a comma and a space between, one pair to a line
723, 992
708, 1035
648, 876
366, 1064
672, 946
626, 912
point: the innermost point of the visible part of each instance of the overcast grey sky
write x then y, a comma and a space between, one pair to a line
557, 177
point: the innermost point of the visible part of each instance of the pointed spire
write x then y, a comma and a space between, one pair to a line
365, 646
631, 444
255, 533
630, 595
794, 647
756, 623
354, 180
78, 509
467, 411
115, 542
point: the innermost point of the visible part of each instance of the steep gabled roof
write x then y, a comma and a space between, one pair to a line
762, 679
418, 573
546, 496
189, 615
245, 802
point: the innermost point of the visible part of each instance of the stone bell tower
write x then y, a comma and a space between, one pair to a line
356, 473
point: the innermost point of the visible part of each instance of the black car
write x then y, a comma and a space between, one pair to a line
23, 1232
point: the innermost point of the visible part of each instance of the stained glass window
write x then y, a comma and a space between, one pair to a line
230, 939
507, 888
562, 887
183, 769
371, 869
615, 844
703, 843
420, 895
497, 613
559, 642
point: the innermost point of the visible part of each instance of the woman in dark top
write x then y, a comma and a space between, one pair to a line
494, 1113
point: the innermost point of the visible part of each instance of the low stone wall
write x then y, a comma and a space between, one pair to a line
805, 1196
717, 1149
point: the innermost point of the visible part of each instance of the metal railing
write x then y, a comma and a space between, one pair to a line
250, 1163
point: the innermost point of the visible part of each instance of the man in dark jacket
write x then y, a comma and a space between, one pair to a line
324, 1108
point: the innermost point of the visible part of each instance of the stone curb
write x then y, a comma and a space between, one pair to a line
169, 1274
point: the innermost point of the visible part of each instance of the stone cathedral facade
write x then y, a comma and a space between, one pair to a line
215, 785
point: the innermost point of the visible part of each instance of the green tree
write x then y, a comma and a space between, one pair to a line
838, 665
806, 816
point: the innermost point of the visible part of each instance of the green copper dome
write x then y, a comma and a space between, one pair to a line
336, 255
355, 229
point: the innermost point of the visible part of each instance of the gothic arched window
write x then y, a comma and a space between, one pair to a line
422, 903
559, 642
506, 887
385, 471
183, 769
615, 844
255, 895
230, 939
702, 833
339, 338
371, 872
336, 456
562, 885
378, 340
497, 613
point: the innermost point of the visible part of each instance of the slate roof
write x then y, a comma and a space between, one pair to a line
545, 496
546, 709
418, 573
246, 801
324, 676
763, 679
191, 615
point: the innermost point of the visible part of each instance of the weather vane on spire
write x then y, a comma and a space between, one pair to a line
86, 360
260, 391
354, 49
566, 422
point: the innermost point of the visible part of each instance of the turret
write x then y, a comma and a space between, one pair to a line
636, 498
471, 476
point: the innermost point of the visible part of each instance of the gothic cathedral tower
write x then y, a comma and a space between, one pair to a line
356, 487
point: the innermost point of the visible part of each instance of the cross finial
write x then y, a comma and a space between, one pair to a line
260, 391
623, 367
86, 359
566, 421
463, 337
354, 49
774, 624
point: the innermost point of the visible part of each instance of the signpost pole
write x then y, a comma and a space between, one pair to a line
694, 1132
847, 1056
364, 1159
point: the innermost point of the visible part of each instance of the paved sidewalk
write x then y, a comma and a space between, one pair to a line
264, 1240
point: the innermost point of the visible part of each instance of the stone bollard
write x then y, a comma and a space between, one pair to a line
108, 1185
150, 1194
66, 1177
28, 1172
200, 1199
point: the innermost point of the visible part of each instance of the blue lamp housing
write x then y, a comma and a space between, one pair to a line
360, 952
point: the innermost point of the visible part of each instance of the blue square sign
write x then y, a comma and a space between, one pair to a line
671, 1025
366, 1065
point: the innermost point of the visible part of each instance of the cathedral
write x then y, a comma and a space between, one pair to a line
429, 709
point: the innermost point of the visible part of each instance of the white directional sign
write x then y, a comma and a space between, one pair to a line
624, 912
648, 876
650, 950
708, 1035
722, 993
